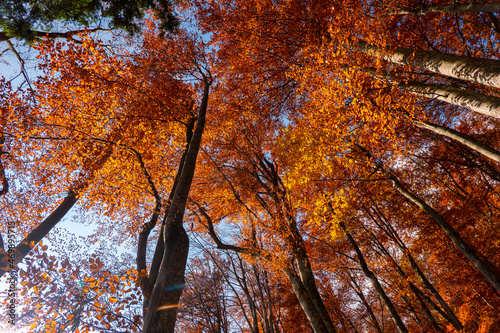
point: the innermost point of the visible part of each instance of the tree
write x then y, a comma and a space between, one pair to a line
20, 19
322, 166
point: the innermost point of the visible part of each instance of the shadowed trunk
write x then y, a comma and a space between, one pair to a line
448, 313
37, 234
483, 266
305, 301
376, 284
164, 301
359, 291
93, 163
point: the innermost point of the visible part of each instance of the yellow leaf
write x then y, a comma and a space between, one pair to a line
112, 299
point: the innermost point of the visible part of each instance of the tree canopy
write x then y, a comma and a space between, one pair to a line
28, 19
272, 166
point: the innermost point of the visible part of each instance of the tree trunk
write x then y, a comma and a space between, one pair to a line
359, 291
489, 7
391, 232
462, 138
307, 277
163, 304
305, 301
369, 274
424, 307
484, 71
410, 284
37, 234
487, 105
483, 266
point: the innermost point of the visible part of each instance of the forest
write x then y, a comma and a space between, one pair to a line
253, 166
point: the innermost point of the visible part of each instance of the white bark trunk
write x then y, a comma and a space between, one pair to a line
484, 71
487, 105
489, 7
463, 139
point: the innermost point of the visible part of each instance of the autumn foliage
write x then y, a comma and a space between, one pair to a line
328, 166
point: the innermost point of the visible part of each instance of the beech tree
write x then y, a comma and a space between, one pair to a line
343, 155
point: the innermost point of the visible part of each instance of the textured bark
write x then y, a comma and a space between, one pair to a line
484, 71
485, 104
376, 284
307, 277
161, 314
483, 266
489, 7
305, 301
462, 138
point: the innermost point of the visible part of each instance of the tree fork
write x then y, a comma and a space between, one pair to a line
162, 309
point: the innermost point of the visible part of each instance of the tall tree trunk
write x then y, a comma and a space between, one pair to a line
90, 165
162, 310
305, 301
489, 7
273, 184
410, 284
147, 282
424, 307
376, 284
391, 232
359, 291
485, 104
483, 266
308, 279
484, 71
462, 138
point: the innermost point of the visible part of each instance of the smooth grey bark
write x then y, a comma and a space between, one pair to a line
306, 302
482, 265
488, 7
464, 139
374, 280
483, 71
485, 104
161, 314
